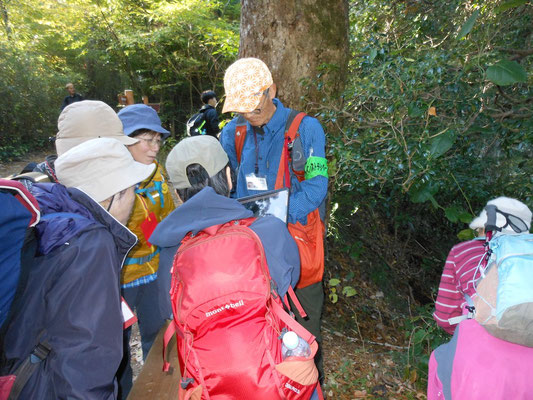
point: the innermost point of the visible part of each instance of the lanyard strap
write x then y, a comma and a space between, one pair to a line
256, 153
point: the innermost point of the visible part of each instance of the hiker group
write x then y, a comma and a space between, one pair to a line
101, 243
93, 241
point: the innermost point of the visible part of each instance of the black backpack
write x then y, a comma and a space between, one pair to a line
196, 124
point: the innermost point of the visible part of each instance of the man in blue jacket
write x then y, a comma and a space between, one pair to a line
67, 329
263, 120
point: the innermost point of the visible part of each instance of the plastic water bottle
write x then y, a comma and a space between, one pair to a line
294, 346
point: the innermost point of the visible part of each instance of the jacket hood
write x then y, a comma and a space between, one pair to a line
204, 209
53, 231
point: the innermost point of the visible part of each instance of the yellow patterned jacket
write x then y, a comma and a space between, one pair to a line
153, 202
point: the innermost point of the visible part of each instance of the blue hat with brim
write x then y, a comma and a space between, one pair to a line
141, 116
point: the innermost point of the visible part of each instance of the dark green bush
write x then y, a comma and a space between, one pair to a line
28, 104
436, 119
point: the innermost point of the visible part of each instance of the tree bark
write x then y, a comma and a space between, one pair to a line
304, 43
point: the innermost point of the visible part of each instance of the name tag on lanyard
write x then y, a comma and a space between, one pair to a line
255, 182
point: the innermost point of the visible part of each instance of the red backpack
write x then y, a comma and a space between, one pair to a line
229, 321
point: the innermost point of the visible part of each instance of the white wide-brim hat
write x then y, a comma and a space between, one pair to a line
101, 168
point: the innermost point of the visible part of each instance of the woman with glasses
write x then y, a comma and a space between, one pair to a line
475, 365
153, 202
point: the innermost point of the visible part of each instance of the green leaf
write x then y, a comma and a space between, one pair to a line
468, 25
334, 282
455, 214
349, 291
413, 111
372, 55
333, 297
466, 234
506, 72
509, 4
465, 217
423, 193
452, 213
350, 275
419, 336
433, 201
442, 143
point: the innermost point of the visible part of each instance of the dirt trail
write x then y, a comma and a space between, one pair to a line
13, 167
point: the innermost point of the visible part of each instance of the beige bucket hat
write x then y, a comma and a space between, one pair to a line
86, 120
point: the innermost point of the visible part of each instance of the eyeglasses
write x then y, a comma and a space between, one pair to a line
152, 142
516, 223
259, 109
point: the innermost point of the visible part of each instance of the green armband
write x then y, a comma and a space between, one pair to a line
315, 166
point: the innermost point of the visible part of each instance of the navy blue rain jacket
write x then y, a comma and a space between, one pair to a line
206, 209
72, 299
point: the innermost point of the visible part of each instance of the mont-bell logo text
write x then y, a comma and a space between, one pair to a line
240, 303
290, 387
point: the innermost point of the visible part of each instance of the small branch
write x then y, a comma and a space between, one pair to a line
511, 114
518, 54
463, 193
512, 99
353, 339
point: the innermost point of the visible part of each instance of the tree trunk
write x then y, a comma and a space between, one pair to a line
304, 43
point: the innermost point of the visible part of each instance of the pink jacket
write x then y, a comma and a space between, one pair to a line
475, 365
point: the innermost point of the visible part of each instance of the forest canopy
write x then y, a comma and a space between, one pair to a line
170, 51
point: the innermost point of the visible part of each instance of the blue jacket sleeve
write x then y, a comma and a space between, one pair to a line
307, 195
227, 140
166, 258
85, 319
281, 252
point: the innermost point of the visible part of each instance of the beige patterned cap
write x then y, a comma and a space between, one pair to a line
244, 82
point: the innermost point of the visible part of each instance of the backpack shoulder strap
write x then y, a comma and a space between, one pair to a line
283, 178
293, 123
28, 367
240, 136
